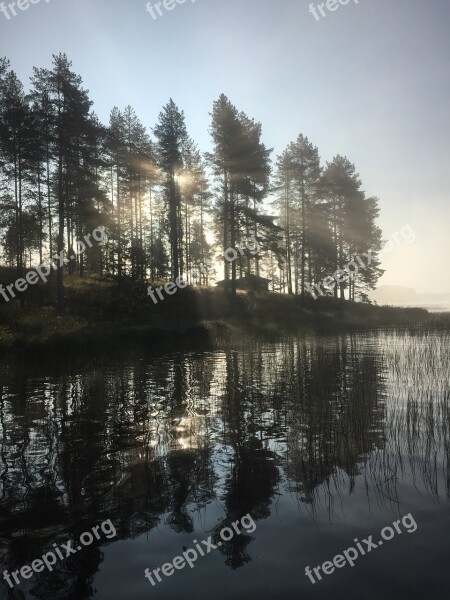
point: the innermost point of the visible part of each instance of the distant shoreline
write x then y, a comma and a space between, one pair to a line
100, 314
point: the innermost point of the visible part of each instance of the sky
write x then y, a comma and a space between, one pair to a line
370, 80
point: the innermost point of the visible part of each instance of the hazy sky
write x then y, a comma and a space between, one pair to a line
370, 81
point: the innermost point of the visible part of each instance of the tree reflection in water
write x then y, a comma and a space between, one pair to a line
153, 441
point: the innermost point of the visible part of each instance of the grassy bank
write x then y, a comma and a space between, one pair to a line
100, 312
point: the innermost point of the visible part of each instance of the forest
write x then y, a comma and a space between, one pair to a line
166, 205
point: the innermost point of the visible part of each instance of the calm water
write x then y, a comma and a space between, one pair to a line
321, 440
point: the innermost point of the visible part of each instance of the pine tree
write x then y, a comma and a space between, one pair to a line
284, 202
16, 153
241, 165
171, 134
226, 133
307, 174
71, 117
342, 185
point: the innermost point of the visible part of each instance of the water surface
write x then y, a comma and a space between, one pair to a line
321, 440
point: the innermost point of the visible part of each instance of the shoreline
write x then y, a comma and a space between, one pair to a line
101, 313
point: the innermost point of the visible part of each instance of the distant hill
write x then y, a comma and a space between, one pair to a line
399, 295
395, 294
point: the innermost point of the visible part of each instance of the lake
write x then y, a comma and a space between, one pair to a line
320, 441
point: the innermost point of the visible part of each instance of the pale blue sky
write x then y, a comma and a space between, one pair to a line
370, 81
